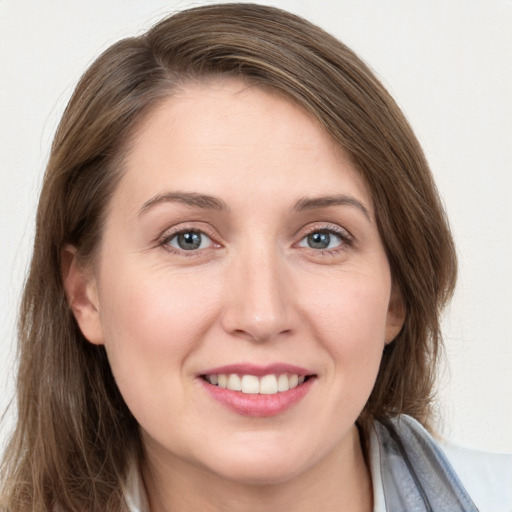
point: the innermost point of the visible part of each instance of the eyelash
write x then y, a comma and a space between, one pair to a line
167, 237
346, 240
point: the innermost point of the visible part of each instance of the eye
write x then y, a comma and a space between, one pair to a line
189, 240
322, 239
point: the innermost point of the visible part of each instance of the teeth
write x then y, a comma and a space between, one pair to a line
234, 382
222, 381
268, 385
250, 384
283, 383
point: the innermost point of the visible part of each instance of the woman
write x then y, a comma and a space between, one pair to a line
238, 272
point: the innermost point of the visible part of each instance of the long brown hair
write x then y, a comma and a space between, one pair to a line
75, 436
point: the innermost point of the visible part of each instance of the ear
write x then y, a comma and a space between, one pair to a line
82, 295
396, 316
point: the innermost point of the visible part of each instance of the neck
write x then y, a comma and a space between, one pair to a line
341, 481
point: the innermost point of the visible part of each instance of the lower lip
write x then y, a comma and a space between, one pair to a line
257, 405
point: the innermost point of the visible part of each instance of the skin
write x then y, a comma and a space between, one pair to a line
255, 291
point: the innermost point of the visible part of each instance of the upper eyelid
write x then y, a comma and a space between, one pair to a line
324, 226
163, 242
213, 234
188, 226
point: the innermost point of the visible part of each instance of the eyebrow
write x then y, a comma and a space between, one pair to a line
313, 203
208, 202
189, 198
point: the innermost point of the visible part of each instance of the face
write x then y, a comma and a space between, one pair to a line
241, 287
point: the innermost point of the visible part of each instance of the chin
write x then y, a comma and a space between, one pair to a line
261, 465
257, 474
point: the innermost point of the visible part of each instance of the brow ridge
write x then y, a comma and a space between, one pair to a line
203, 201
313, 203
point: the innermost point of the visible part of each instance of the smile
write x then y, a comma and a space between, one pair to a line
258, 391
251, 384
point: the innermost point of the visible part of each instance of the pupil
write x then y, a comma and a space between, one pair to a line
189, 240
319, 240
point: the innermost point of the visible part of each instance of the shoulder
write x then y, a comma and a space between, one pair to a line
486, 476
410, 469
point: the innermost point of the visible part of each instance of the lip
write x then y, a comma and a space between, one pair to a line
256, 405
258, 370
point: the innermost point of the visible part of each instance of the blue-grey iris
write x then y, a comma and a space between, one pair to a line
319, 240
189, 240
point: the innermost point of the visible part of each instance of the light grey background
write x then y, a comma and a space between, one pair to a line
448, 64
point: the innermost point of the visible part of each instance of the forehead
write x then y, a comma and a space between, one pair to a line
225, 132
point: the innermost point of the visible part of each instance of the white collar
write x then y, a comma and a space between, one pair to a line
379, 501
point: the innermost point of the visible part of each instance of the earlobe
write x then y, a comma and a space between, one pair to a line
82, 295
396, 317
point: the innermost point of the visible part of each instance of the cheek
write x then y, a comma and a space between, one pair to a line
153, 310
349, 315
352, 308
152, 325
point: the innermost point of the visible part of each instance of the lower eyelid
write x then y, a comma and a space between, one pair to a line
344, 236
303, 243
345, 240
165, 241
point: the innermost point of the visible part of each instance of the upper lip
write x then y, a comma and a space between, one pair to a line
258, 370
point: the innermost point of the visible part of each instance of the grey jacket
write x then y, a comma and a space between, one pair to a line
413, 473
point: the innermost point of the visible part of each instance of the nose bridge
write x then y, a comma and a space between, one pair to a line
258, 305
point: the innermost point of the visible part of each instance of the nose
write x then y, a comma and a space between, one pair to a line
258, 299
